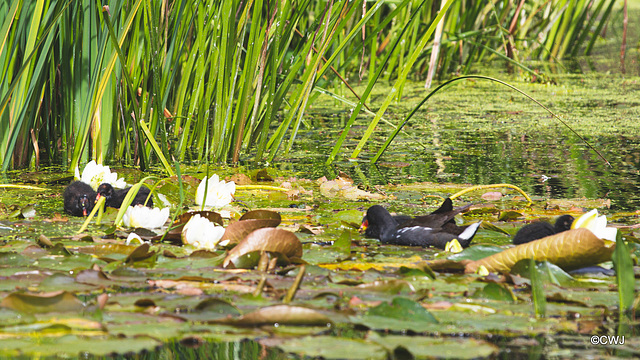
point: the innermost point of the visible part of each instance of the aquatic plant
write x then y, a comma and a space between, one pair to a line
215, 192
202, 233
95, 174
140, 216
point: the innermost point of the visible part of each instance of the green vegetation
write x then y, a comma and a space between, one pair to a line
185, 80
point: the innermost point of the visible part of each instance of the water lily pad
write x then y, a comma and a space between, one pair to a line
59, 301
281, 314
476, 252
401, 315
258, 219
497, 292
264, 240
436, 347
211, 309
328, 347
262, 215
74, 344
569, 250
140, 253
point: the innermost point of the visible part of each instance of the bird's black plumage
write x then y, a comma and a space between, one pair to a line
540, 229
115, 197
435, 229
372, 230
79, 198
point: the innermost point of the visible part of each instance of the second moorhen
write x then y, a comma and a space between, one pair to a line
435, 229
114, 198
79, 198
540, 229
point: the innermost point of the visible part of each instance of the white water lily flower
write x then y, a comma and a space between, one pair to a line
140, 216
95, 174
219, 193
597, 225
202, 233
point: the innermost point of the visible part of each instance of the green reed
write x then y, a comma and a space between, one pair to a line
243, 73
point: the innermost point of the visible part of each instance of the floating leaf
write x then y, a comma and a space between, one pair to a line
140, 253
59, 301
343, 243
475, 252
569, 250
401, 315
44, 241
328, 347
249, 222
549, 272
272, 240
281, 315
497, 292
421, 347
392, 286
262, 215
509, 215
403, 309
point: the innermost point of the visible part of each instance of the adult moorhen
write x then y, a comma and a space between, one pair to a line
114, 198
435, 229
79, 198
540, 229
371, 230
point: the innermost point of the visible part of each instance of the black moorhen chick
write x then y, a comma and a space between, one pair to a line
114, 198
435, 229
79, 198
540, 229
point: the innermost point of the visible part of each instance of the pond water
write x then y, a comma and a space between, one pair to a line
478, 132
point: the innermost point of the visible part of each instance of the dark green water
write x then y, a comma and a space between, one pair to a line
479, 132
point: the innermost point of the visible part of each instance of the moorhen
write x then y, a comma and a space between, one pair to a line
540, 229
435, 229
114, 198
79, 198
371, 230
444, 211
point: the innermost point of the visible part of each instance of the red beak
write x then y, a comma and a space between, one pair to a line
364, 225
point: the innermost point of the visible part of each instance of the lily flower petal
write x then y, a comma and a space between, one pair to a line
202, 233
95, 174
597, 224
219, 192
140, 216
136, 237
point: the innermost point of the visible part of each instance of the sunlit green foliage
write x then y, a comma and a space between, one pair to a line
232, 79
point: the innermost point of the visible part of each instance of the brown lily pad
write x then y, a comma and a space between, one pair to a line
262, 215
281, 315
282, 242
250, 222
569, 249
